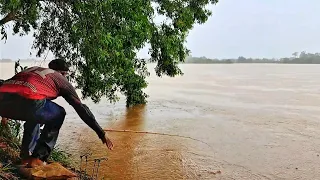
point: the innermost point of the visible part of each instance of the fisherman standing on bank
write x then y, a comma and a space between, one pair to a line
27, 96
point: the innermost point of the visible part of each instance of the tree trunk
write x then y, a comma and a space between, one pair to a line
9, 17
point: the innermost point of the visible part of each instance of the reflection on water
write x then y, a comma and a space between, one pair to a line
121, 163
139, 155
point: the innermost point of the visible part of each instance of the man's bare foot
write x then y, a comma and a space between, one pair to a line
24, 162
32, 162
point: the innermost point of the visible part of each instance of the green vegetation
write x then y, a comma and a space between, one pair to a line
297, 58
9, 150
61, 156
101, 38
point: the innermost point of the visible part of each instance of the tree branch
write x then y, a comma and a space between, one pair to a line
9, 17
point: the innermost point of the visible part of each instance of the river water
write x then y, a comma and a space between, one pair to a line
248, 121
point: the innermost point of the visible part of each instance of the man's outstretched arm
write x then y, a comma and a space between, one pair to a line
68, 92
87, 116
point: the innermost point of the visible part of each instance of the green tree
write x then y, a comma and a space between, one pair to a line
295, 54
100, 38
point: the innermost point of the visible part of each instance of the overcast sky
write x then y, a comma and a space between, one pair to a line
250, 28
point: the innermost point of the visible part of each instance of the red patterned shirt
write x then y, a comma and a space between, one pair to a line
40, 83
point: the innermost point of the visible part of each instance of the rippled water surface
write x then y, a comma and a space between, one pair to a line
250, 121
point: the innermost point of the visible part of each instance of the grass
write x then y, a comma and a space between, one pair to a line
9, 151
61, 156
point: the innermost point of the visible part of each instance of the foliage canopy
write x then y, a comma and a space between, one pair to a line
101, 38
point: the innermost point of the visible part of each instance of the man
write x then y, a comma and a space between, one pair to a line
27, 96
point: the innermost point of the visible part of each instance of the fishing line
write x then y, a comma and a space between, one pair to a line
164, 134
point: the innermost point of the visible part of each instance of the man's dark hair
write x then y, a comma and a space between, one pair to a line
59, 65
1, 81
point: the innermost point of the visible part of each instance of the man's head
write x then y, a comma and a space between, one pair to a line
59, 65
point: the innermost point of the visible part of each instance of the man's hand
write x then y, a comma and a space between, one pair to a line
107, 141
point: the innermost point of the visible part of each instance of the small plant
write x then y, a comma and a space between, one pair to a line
60, 156
5, 173
10, 134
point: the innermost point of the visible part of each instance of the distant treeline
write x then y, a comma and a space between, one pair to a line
5, 60
297, 58
23, 60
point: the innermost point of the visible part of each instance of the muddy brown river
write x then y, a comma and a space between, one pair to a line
245, 121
